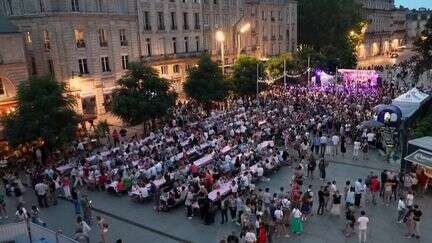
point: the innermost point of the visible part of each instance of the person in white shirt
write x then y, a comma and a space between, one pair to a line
41, 192
280, 224
250, 237
370, 138
356, 150
409, 199
401, 210
362, 221
260, 171
335, 141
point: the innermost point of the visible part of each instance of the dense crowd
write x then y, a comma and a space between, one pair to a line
211, 162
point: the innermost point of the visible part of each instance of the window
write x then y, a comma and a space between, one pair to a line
185, 21
173, 21
41, 6
148, 46
46, 40
123, 40
176, 68
33, 66
9, 2
125, 61
197, 21
164, 69
105, 64
82, 64
75, 5
161, 21
2, 91
197, 44
147, 23
50, 67
174, 45
100, 5
79, 38
206, 19
102, 38
186, 44
28, 37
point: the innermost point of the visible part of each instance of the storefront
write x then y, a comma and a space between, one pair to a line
420, 154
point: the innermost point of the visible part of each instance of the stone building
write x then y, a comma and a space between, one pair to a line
383, 35
13, 64
274, 27
416, 21
88, 43
399, 28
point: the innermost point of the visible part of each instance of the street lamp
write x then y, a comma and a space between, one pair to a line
245, 28
220, 37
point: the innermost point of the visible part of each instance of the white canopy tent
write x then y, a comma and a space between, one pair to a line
325, 79
410, 102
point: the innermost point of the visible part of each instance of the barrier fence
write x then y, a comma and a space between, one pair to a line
28, 232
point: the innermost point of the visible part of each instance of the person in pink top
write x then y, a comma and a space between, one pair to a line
66, 187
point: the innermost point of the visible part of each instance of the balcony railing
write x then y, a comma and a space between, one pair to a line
124, 43
103, 44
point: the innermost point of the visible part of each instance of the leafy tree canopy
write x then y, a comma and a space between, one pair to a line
205, 82
245, 75
142, 95
423, 46
275, 66
45, 112
328, 26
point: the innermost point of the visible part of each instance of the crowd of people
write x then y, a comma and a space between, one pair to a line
210, 162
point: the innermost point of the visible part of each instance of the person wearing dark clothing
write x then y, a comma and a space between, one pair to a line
76, 202
224, 211
321, 201
417, 216
383, 181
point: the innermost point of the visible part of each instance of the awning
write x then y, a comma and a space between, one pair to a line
421, 157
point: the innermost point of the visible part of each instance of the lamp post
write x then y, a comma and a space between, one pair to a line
220, 37
243, 29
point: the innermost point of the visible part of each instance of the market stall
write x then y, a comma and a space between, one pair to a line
420, 154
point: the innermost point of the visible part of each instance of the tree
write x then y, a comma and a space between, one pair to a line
275, 66
45, 112
142, 95
328, 25
205, 83
244, 78
423, 46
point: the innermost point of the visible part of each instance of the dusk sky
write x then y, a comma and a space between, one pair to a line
414, 3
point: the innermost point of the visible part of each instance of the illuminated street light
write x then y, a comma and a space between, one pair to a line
245, 28
352, 33
220, 37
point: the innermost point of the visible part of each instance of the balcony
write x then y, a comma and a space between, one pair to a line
170, 57
124, 43
103, 44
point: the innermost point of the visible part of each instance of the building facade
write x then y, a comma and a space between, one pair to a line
88, 43
416, 21
13, 64
385, 28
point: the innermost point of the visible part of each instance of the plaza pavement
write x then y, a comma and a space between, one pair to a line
135, 222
